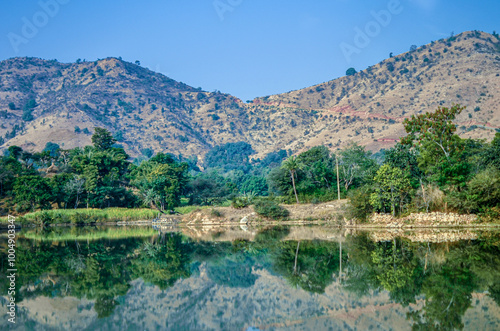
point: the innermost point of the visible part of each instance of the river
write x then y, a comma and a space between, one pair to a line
262, 278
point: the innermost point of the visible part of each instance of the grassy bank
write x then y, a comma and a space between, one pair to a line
91, 215
86, 216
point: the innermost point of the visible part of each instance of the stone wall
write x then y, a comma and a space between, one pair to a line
434, 219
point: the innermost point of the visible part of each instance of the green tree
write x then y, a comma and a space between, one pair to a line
32, 192
351, 71
102, 139
104, 173
355, 165
434, 129
443, 155
391, 189
161, 183
491, 154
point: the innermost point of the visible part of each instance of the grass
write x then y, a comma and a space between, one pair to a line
82, 216
90, 234
187, 209
93, 215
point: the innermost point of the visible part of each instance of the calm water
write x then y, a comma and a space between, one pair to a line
297, 278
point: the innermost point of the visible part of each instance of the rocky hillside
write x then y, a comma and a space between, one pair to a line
369, 106
42, 101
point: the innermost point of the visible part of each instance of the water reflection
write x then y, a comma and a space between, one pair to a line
290, 278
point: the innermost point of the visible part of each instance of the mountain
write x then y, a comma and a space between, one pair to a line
42, 101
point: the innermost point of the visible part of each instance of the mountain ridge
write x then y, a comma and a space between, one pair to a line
147, 110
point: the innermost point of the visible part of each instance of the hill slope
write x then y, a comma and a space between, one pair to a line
149, 110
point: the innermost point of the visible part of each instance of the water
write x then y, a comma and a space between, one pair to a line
296, 278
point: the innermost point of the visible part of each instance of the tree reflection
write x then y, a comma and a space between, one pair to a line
445, 275
163, 262
310, 265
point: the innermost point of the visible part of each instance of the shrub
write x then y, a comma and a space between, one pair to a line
216, 213
359, 206
270, 209
240, 202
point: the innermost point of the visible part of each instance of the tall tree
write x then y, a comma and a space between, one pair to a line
355, 165
102, 139
435, 129
292, 165
391, 188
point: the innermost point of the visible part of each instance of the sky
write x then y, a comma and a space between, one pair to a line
248, 48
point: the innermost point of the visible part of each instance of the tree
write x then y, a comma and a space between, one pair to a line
391, 188
355, 164
491, 155
102, 139
160, 184
443, 155
15, 151
434, 129
292, 165
52, 148
32, 192
74, 189
405, 157
104, 172
351, 71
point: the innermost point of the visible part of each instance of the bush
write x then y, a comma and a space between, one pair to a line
359, 206
240, 202
216, 213
270, 209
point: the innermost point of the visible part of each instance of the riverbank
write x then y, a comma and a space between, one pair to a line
331, 213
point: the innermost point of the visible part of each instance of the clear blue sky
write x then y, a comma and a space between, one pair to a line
248, 48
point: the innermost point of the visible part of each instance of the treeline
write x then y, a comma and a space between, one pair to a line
431, 169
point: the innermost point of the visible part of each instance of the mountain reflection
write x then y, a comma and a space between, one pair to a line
278, 280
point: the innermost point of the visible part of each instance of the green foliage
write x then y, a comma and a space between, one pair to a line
359, 206
209, 189
270, 209
356, 166
350, 72
28, 110
491, 154
391, 189
102, 139
32, 192
52, 148
405, 158
230, 156
242, 201
443, 155
90, 215
481, 193
436, 129
160, 181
